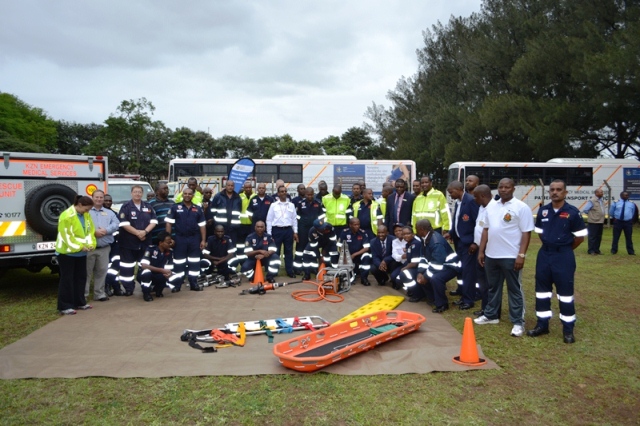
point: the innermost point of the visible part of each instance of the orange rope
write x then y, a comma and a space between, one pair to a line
316, 295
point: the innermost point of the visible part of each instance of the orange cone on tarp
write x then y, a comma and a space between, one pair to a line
258, 276
469, 350
321, 272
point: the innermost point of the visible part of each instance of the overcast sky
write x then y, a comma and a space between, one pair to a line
243, 68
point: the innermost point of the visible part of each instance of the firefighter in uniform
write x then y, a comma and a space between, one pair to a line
220, 250
432, 205
309, 209
337, 207
137, 220
156, 267
358, 242
260, 245
561, 229
369, 213
191, 236
226, 207
322, 244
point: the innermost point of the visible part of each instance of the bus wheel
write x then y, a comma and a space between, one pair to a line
44, 205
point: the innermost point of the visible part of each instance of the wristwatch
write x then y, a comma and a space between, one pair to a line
522, 255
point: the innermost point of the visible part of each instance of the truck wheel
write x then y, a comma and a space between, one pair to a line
44, 205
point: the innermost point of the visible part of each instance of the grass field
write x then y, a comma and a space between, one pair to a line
542, 381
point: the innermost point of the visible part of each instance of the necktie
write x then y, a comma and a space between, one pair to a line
398, 205
384, 247
455, 216
622, 213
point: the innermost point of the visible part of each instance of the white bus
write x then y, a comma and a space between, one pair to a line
582, 176
294, 170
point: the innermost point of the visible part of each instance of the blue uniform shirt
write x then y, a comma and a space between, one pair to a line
255, 242
355, 242
308, 212
258, 208
557, 229
187, 221
139, 219
155, 257
219, 247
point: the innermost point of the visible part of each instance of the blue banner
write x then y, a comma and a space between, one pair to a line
240, 171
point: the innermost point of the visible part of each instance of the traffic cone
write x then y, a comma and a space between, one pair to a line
321, 272
258, 276
469, 350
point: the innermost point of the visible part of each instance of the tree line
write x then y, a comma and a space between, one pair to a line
521, 80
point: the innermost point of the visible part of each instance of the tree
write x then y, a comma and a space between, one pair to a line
74, 138
26, 124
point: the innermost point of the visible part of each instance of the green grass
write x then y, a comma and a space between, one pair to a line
541, 381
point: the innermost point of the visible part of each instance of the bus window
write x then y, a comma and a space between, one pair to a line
291, 173
266, 173
453, 173
215, 170
553, 173
496, 174
530, 176
481, 172
186, 170
580, 176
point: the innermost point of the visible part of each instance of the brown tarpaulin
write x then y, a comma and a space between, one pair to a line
127, 337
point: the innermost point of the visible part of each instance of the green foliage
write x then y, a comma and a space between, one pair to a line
27, 127
526, 80
13, 144
74, 138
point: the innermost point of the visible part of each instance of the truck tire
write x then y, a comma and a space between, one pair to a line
44, 205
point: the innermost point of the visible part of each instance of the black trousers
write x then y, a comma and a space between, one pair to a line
73, 277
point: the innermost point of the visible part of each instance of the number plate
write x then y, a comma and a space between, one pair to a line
51, 245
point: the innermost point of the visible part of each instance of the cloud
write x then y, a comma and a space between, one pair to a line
252, 68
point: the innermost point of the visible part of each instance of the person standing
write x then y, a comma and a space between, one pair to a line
624, 214
161, 205
137, 220
503, 249
192, 184
112, 285
369, 213
282, 225
337, 207
245, 221
106, 223
431, 205
76, 238
226, 207
399, 205
309, 209
356, 193
415, 186
302, 190
259, 206
561, 230
323, 190
191, 238
482, 196
594, 209
387, 189
207, 194
461, 233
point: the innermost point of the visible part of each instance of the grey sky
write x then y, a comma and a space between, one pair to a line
245, 68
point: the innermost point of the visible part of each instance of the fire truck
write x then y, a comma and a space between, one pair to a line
34, 189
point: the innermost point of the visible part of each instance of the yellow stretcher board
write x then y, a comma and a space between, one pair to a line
384, 303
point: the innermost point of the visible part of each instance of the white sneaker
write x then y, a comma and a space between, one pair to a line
517, 331
68, 312
84, 307
481, 320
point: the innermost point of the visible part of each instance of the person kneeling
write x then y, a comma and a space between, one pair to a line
260, 245
157, 267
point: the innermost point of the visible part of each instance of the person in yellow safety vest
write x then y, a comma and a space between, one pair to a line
197, 193
369, 213
431, 204
337, 207
246, 226
387, 189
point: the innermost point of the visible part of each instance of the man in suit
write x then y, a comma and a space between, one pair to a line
399, 204
461, 233
382, 263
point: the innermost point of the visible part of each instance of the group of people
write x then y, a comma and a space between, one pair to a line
403, 238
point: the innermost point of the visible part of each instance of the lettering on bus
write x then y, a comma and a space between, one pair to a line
8, 190
49, 170
572, 195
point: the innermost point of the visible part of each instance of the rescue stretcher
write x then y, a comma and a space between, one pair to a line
324, 347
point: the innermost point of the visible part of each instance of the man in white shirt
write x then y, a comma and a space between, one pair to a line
503, 248
282, 225
482, 196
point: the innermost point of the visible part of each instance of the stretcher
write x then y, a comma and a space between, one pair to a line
384, 303
327, 346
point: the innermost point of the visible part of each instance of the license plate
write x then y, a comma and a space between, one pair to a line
51, 245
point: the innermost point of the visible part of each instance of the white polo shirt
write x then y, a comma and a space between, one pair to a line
480, 221
506, 223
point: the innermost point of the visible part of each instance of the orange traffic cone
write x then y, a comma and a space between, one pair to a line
469, 350
321, 272
258, 276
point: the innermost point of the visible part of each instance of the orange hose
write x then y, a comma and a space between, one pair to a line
316, 295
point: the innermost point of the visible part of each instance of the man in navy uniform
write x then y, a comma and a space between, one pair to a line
191, 236
462, 231
358, 242
309, 209
156, 267
322, 246
137, 220
382, 263
226, 207
260, 245
219, 251
561, 229
259, 205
